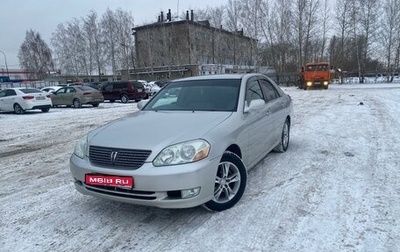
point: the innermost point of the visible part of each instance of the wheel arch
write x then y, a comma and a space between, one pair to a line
234, 148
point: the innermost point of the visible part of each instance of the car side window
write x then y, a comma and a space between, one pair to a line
270, 91
60, 91
71, 90
10, 92
121, 85
109, 87
253, 91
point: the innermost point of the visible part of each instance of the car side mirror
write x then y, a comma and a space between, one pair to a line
254, 105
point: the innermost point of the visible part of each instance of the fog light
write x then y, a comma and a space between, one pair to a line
190, 193
309, 84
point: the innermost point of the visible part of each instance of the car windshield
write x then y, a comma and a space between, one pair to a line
322, 67
197, 95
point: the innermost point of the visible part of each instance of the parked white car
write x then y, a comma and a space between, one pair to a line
21, 99
153, 88
50, 89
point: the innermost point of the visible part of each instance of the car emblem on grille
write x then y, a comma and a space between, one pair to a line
114, 156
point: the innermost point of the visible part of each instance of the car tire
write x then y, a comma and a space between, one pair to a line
230, 183
285, 137
45, 110
95, 105
18, 109
124, 98
77, 103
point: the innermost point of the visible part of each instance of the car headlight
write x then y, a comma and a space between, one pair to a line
309, 83
326, 83
81, 147
182, 153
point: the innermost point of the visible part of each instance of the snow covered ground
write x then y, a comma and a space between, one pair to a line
337, 188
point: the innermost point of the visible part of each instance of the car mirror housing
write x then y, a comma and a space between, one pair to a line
254, 105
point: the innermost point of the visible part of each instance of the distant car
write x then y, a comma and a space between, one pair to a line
76, 96
204, 140
94, 85
21, 99
50, 89
124, 91
161, 83
146, 87
153, 88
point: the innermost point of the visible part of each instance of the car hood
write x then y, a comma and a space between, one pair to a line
151, 130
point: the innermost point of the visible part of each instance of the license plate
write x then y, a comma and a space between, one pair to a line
40, 98
107, 180
317, 83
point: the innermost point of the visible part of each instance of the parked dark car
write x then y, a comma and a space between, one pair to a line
124, 91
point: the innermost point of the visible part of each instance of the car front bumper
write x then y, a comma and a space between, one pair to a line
153, 186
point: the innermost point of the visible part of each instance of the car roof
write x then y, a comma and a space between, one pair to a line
52, 87
218, 77
19, 88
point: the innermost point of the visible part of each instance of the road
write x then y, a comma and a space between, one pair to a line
337, 188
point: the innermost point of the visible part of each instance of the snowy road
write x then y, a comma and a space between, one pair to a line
337, 188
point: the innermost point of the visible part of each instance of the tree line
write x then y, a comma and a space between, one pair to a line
359, 36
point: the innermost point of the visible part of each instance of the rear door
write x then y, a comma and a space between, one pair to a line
69, 96
7, 98
276, 106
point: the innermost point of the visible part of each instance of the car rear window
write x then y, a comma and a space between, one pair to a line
85, 88
30, 90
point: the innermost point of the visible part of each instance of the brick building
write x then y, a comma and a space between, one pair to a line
173, 49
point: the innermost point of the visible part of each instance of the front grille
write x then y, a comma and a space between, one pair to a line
118, 158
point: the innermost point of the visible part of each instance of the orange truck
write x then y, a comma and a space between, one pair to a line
314, 75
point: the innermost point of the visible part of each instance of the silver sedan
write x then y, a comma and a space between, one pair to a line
207, 132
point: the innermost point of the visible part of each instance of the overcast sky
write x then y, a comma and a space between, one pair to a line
43, 16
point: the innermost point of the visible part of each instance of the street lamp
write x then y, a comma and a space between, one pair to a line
5, 61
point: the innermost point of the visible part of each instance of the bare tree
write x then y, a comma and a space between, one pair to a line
35, 56
116, 27
94, 43
390, 22
305, 21
277, 36
326, 18
124, 22
343, 24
